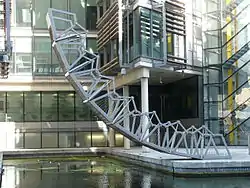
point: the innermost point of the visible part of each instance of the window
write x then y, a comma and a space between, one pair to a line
40, 9
23, 63
78, 7
42, 55
19, 140
49, 140
49, 106
66, 140
83, 139
32, 107
56, 68
99, 139
23, 13
15, 106
82, 111
32, 140
91, 45
145, 33
131, 37
2, 106
66, 106
157, 35
61, 5
91, 15
170, 45
22, 56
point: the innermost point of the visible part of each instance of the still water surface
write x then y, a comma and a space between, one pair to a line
100, 172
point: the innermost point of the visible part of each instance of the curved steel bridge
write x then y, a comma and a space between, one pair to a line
81, 69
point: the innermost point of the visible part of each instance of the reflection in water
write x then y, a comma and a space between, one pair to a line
101, 173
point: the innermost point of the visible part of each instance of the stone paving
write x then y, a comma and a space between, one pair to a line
240, 162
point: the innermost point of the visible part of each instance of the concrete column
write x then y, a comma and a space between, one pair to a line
146, 181
144, 102
127, 179
111, 137
126, 120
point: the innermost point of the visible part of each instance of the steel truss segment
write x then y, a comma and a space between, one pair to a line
144, 128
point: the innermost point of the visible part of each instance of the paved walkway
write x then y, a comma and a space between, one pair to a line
240, 162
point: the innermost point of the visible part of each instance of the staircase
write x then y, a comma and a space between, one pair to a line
81, 68
238, 61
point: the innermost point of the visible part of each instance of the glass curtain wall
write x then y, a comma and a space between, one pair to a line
32, 53
226, 70
142, 37
212, 66
235, 72
86, 11
49, 119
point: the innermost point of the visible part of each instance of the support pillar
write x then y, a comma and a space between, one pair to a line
111, 134
146, 181
111, 137
144, 105
126, 120
127, 179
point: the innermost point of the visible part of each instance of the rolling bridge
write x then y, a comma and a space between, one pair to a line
98, 91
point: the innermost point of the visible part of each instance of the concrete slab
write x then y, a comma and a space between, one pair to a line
240, 162
175, 165
54, 152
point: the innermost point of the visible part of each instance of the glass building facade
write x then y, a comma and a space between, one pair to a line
41, 118
226, 69
32, 53
50, 119
34, 117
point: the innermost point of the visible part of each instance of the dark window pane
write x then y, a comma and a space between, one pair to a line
157, 35
83, 139
66, 139
42, 56
32, 140
60, 4
23, 13
91, 15
66, 106
91, 45
32, 106
82, 110
78, 7
2, 106
40, 10
145, 32
49, 140
15, 106
49, 106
